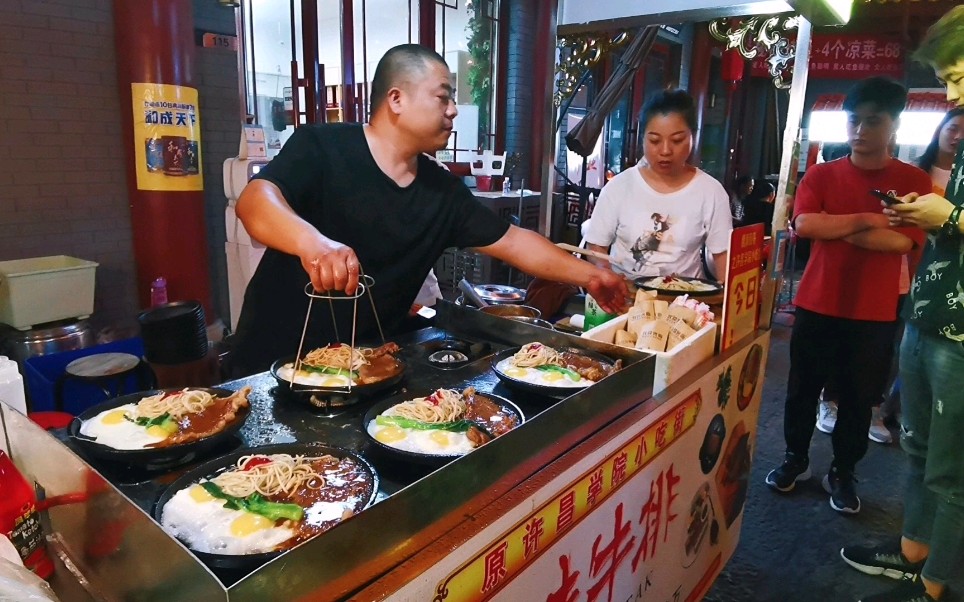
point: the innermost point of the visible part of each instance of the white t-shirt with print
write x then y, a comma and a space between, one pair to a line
654, 234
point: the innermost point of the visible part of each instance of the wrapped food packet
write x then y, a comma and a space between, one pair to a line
635, 318
648, 309
679, 313
625, 339
643, 295
678, 333
652, 336
703, 312
660, 307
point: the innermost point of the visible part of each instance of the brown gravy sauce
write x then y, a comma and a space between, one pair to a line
347, 489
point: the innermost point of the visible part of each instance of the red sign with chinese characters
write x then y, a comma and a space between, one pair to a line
741, 302
847, 56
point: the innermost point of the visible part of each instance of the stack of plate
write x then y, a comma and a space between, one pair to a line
174, 333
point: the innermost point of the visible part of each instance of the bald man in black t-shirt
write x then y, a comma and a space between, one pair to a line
342, 199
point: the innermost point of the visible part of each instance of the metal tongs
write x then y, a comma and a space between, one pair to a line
365, 282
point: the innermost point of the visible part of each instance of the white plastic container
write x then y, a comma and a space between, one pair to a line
45, 289
11, 385
670, 365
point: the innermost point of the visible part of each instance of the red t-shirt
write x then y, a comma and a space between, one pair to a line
843, 280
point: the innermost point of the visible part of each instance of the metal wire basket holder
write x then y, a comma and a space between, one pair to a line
365, 282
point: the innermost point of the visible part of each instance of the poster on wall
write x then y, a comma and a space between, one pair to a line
167, 137
652, 514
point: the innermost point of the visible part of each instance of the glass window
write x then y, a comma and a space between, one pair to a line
379, 25
467, 34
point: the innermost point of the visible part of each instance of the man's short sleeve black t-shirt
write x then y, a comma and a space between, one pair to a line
329, 177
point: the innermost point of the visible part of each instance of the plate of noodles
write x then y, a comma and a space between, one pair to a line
245, 508
680, 285
336, 367
161, 427
440, 425
557, 372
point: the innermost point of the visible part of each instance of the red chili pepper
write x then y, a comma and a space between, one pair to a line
433, 398
334, 346
259, 461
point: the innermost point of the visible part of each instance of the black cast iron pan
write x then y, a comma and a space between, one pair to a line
425, 458
328, 397
549, 391
160, 457
215, 467
656, 283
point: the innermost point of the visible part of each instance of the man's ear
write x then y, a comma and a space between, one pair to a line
394, 100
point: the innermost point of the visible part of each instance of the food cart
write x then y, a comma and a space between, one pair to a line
607, 486
609, 493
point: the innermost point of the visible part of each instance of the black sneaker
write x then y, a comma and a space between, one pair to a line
784, 477
843, 496
886, 560
909, 590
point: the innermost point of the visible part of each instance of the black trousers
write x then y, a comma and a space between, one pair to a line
856, 356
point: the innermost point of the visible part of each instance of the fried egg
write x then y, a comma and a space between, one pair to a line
544, 378
314, 379
202, 522
435, 442
112, 429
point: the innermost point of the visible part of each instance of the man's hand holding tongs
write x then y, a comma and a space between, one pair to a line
331, 265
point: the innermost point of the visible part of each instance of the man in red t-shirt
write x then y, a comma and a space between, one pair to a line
846, 315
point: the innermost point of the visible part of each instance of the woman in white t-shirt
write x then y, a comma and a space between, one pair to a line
655, 219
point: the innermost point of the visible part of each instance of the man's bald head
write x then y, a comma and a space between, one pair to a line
400, 65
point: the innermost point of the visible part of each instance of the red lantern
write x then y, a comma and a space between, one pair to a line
732, 68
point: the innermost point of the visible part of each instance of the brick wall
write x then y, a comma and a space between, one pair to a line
220, 106
62, 182
62, 164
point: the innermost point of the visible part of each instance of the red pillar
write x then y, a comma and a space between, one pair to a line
154, 40
542, 65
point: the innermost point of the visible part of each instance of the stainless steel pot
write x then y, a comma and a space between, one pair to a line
56, 337
534, 321
512, 311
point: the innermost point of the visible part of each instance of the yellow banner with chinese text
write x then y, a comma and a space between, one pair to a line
167, 137
482, 576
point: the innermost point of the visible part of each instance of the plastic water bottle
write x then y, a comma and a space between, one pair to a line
506, 185
11, 385
159, 291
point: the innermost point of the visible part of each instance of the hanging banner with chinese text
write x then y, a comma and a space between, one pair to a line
848, 56
652, 513
167, 137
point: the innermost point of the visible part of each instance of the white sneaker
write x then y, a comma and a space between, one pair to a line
826, 416
878, 432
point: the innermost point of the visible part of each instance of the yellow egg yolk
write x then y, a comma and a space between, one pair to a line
334, 382
516, 372
200, 495
390, 434
553, 376
248, 523
115, 417
440, 437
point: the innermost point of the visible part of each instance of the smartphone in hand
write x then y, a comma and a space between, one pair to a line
885, 197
